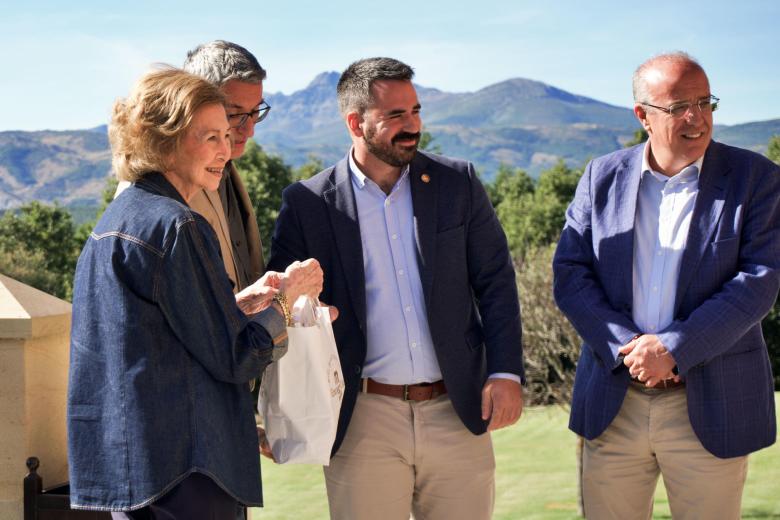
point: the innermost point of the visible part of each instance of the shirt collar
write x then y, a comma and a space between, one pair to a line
685, 175
359, 178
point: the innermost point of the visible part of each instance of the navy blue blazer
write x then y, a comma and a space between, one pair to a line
729, 280
465, 269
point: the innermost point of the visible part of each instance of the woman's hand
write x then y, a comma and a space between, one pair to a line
259, 295
301, 278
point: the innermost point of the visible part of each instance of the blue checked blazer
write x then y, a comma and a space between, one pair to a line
729, 280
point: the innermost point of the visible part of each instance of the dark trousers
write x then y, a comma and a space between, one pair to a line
196, 497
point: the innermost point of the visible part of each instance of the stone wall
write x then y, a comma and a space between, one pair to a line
34, 353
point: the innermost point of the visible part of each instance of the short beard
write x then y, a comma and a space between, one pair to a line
389, 154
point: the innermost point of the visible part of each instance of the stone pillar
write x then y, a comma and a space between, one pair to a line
34, 353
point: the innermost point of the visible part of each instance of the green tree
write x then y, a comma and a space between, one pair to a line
265, 176
773, 150
109, 191
426, 142
29, 267
512, 195
83, 231
560, 183
509, 183
312, 167
532, 214
38, 247
640, 136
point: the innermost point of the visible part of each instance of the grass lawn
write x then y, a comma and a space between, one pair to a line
535, 477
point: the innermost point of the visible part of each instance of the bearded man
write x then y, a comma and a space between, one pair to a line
429, 330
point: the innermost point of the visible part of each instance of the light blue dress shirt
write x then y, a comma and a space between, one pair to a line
399, 345
663, 216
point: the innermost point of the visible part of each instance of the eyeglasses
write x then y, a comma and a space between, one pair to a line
709, 103
257, 115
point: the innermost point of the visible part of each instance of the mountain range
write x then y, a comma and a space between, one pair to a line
519, 122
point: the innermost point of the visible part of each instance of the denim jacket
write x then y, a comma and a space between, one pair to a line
160, 358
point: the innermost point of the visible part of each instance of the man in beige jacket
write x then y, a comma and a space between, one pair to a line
228, 209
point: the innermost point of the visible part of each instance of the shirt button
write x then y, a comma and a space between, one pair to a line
394, 236
408, 308
401, 272
414, 344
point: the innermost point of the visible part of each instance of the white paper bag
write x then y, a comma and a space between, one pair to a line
300, 394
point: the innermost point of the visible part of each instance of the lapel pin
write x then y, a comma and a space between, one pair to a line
425, 178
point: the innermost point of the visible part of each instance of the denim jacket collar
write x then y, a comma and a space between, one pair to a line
156, 183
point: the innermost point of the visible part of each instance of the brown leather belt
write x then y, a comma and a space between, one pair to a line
664, 384
418, 392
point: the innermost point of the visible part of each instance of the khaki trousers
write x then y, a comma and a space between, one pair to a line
403, 457
650, 435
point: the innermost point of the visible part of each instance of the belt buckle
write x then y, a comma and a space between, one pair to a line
405, 396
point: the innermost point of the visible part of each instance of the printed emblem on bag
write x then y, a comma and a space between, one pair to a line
334, 378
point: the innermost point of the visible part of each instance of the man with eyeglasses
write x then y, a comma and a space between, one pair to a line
229, 210
668, 262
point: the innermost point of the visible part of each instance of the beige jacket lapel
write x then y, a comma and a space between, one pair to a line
254, 243
209, 205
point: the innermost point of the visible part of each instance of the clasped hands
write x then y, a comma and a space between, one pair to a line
300, 278
648, 360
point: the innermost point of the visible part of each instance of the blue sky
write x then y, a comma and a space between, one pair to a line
64, 63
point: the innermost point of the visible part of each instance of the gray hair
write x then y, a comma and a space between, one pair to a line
354, 87
220, 61
639, 80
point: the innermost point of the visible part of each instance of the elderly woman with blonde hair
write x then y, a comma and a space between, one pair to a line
160, 416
